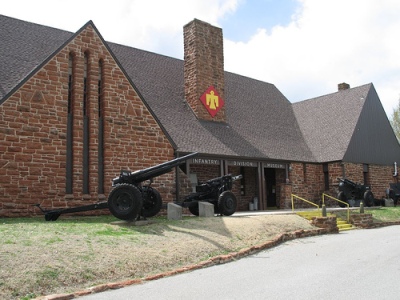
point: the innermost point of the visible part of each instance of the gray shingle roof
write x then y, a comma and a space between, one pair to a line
328, 122
23, 47
261, 122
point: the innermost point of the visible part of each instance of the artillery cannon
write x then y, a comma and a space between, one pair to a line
216, 191
352, 193
128, 199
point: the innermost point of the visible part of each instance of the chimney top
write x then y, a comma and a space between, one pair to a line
204, 70
343, 86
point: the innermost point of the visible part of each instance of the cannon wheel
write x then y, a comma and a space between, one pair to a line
342, 197
227, 203
369, 198
194, 209
125, 202
152, 202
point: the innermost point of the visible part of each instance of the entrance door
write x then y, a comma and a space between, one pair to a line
270, 182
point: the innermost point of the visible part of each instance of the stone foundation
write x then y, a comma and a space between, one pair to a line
362, 220
328, 223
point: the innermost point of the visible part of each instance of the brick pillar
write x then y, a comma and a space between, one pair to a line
203, 66
285, 196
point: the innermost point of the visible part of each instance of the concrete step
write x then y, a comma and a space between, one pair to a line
310, 214
341, 224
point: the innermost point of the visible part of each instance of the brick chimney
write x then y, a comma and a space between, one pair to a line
343, 86
204, 70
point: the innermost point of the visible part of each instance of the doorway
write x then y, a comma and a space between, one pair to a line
270, 184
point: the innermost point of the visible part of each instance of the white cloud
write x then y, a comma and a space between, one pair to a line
153, 25
327, 42
157, 26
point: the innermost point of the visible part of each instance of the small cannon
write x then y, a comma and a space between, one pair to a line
216, 191
353, 193
128, 199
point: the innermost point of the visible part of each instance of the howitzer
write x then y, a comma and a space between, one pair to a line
216, 191
129, 199
351, 193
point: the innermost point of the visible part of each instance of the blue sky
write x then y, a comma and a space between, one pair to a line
304, 47
255, 14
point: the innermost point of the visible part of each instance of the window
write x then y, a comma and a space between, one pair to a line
85, 85
85, 153
100, 108
70, 81
326, 176
69, 159
365, 173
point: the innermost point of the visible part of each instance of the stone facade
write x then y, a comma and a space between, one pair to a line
308, 180
33, 131
35, 155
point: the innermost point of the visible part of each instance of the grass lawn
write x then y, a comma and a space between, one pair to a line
74, 252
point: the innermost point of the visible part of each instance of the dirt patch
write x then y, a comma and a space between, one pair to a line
39, 258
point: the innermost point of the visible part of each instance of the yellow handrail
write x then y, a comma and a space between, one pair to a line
333, 198
309, 202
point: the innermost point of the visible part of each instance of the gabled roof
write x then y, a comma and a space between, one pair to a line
373, 140
260, 120
34, 47
349, 125
24, 46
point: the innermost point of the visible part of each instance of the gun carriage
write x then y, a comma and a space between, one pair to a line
129, 198
216, 191
353, 193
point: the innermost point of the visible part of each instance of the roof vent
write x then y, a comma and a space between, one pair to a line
343, 86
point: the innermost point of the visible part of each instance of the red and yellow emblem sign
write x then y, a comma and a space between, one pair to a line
212, 101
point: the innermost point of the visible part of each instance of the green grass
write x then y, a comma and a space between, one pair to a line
382, 214
39, 257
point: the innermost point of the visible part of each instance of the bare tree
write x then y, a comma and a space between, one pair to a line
395, 121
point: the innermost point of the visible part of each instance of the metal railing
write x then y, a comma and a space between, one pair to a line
302, 199
335, 199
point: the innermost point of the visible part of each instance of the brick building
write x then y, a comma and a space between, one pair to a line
75, 110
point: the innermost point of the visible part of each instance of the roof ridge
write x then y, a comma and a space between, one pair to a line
333, 93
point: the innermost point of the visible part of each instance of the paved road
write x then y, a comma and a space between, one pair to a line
358, 264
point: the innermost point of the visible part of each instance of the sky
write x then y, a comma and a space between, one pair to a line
304, 47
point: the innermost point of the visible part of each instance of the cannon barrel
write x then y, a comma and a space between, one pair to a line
225, 177
139, 176
347, 181
218, 182
237, 177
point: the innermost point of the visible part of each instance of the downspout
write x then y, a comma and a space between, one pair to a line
177, 185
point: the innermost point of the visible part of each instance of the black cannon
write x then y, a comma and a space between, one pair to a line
353, 193
129, 198
216, 191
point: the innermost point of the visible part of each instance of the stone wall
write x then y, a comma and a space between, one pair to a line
307, 180
327, 223
361, 220
33, 132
